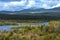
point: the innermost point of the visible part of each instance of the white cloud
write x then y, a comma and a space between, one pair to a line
45, 6
25, 4
21, 3
30, 4
10, 5
58, 5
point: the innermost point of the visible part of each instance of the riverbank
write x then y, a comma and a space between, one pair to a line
15, 22
50, 32
8, 27
31, 33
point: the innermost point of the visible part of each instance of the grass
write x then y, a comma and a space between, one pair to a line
30, 33
14, 22
50, 32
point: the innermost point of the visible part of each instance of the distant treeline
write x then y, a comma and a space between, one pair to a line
27, 17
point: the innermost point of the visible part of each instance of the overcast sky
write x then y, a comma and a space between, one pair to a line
16, 5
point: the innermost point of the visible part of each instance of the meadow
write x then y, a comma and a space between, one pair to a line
50, 32
14, 22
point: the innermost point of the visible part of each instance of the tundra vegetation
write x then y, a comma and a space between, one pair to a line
14, 22
50, 32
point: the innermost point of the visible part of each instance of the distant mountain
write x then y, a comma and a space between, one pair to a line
9, 12
57, 8
41, 10
32, 10
44, 14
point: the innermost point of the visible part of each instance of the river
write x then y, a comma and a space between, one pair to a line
8, 27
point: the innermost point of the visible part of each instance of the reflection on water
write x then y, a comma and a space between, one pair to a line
33, 24
8, 27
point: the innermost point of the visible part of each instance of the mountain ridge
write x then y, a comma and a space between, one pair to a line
41, 10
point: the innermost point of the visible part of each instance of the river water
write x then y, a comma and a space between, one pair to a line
8, 27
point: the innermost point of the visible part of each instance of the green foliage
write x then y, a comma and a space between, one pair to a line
29, 33
42, 32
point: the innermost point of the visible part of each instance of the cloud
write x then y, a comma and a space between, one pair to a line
17, 5
9, 0
58, 5
30, 4
12, 5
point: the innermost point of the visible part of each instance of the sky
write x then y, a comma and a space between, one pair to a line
17, 5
